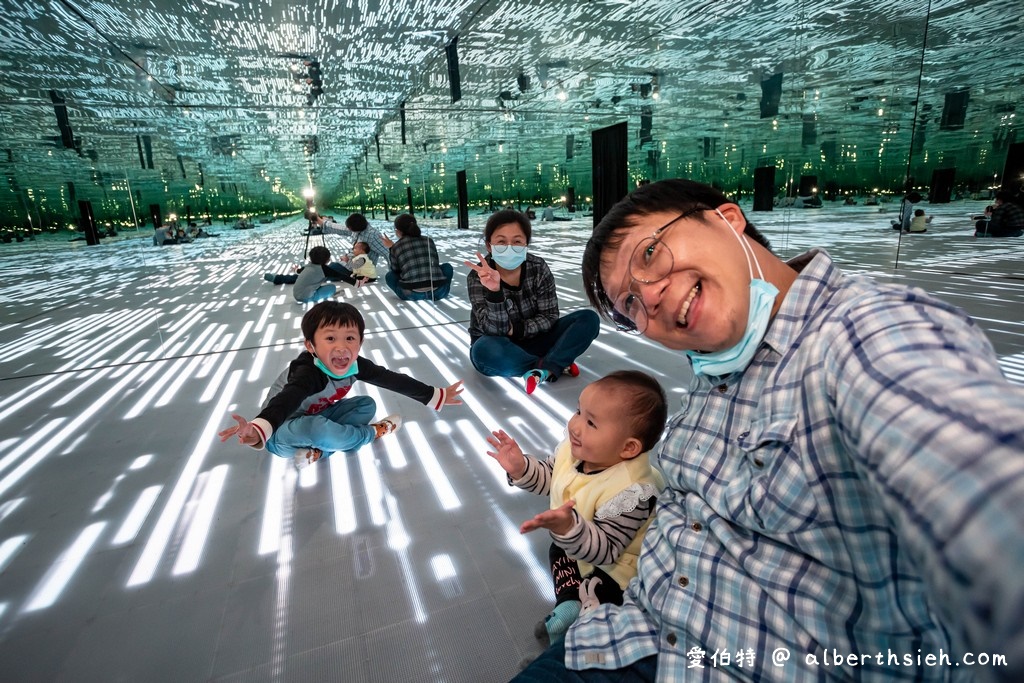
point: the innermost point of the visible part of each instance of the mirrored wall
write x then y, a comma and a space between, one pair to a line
234, 113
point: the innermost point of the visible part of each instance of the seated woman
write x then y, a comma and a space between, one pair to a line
416, 271
514, 326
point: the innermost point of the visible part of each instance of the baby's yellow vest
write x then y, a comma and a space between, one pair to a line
591, 491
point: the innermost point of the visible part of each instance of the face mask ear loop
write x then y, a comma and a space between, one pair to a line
748, 252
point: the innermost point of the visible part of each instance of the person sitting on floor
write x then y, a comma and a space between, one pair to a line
919, 223
416, 271
1007, 219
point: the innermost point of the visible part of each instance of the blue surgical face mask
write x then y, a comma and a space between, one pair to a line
508, 256
762, 298
352, 369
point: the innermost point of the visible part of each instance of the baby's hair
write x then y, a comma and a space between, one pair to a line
365, 245
331, 313
643, 401
319, 256
918, 212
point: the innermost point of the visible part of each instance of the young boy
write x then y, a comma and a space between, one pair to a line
307, 415
311, 282
602, 488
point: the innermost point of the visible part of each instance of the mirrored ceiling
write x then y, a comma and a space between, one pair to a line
235, 106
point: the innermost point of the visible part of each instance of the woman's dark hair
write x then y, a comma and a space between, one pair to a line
504, 217
407, 225
676, 195
331, 313
357, 222
319, 256
642, 400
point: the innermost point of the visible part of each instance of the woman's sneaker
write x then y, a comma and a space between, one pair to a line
389, 425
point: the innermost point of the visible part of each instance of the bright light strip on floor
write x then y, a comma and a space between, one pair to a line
198, 531
273, 506
61, 572
217, 381
81, 386
9, 506
436, 475
161, 535
341, 495
46, 386
372, 486
398, 540
256, 369
105, 498
179, 379
140, 462
28, 446
136, 517
156, 389
393, 338
10, 548
442, 567
308, 476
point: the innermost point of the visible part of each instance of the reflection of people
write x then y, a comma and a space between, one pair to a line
307, 415
514, 324
364, 232
1006, 218
601, 486
846, 473
416, 271
910, 203
919, 223
360, 263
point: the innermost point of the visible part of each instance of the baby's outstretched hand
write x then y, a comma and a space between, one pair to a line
507, 453
558, 521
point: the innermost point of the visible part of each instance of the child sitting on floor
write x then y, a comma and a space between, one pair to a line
602, 489
307, 415
360, 264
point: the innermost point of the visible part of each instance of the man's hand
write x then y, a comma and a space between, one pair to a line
559, 521
507, 453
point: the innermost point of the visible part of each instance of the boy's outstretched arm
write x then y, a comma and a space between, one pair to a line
559, 521
248, 433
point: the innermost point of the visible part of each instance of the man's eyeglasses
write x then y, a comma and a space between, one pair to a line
650, 262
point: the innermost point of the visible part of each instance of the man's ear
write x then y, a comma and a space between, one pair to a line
734, 215
631, 448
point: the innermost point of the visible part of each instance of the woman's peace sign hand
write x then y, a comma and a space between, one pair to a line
489, 277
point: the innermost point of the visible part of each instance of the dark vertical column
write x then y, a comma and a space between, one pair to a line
764, 188
87, 222
942, 186
386, 216
609, 164
154, 212
1013, 170
408, 195
570, 199
460, 184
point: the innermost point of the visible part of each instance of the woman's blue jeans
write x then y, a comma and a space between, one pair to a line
343, 426
554, 351
408, 295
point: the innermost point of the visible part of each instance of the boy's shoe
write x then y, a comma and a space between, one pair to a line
389, 425
534, 378
304, 457
573, 370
